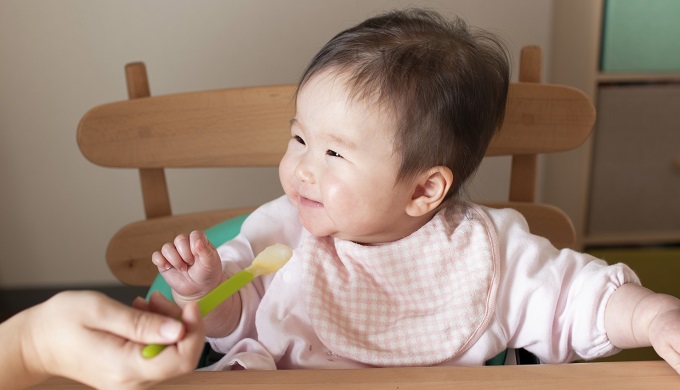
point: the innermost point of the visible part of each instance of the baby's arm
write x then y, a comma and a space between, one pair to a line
637, 317
192, 268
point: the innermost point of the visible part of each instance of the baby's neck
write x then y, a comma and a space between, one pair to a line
413, 225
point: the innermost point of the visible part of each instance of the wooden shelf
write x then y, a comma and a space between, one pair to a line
575, 60
633, 238
607, 78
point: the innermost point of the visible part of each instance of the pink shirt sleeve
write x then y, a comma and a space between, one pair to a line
552, 302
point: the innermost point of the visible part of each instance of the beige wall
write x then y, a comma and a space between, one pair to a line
58, 59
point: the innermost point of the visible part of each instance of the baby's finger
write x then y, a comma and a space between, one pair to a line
671, 356
184, 248
200, 244
140, 303
159, 261
172, 256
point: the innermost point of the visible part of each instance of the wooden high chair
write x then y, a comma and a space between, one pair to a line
241, 127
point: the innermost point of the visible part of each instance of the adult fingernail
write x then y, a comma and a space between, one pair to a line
170, 330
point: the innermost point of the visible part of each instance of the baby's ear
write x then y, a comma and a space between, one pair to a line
429, 191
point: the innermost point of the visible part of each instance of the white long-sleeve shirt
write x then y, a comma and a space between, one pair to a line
548, 301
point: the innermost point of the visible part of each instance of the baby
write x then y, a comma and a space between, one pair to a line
391, 267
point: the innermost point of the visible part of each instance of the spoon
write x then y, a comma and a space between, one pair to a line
270, 260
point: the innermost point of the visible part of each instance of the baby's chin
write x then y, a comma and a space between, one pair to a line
321, 233
319, 226
314, 228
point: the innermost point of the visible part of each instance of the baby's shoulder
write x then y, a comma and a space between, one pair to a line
504, 219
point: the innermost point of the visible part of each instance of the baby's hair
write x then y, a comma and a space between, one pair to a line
446, 84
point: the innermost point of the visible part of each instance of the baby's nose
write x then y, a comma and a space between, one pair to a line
304, 173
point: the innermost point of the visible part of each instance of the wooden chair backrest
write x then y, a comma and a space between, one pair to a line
239, 127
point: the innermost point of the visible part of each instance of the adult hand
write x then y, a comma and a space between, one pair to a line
93, 339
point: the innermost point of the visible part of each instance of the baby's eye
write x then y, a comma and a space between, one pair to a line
299, 139
333, 153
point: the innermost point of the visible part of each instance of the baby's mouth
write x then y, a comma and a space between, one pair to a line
306, 202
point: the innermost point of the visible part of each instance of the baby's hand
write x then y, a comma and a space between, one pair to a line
190, 265
664, 335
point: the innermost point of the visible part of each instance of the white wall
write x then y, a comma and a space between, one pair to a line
60, 58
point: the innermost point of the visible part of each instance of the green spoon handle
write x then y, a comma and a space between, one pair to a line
223, 291
210, 301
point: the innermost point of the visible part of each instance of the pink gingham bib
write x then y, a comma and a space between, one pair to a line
419, 301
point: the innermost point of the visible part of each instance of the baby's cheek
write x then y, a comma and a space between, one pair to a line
342, 203
285, 175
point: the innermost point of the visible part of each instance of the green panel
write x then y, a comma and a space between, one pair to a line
641, 36
658, 269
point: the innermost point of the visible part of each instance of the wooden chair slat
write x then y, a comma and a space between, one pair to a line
543, 118
200, 129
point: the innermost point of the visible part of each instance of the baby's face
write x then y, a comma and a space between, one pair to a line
340, 169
